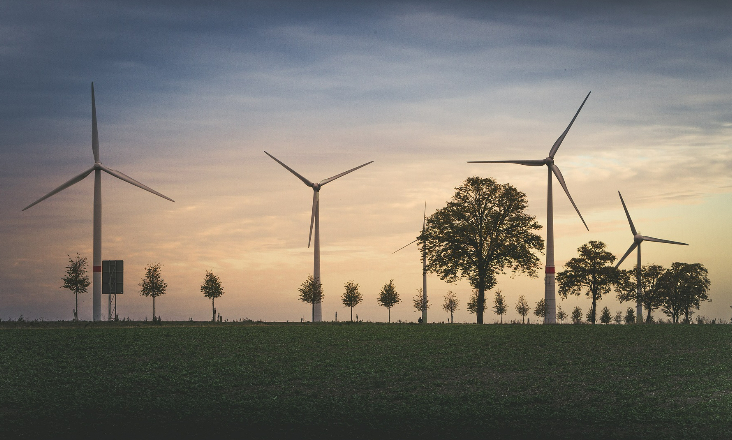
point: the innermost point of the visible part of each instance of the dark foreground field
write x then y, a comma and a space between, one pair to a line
365, 381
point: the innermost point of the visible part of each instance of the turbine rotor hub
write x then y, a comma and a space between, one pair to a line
549, 161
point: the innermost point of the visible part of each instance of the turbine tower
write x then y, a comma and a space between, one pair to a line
97, 168
424, 264
550, 275
637, 240
315, 220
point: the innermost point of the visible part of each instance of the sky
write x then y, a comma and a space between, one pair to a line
189, 95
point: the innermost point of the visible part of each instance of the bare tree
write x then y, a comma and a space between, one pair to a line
451, 304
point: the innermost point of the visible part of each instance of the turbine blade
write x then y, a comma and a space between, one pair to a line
630, 249
95, 133
564, 186
559, 141
658, 240
530, 163
312, 216
304, 180
411, 242
627, 214
330, 179
132, 181
74, 180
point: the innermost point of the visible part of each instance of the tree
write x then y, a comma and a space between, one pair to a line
618, 317
540, 310
651, 297
388, 297
499, 305
522, 307
592, 271
420, 302
473, 303
451, 304
605, 317
311, 292
211, 288
481, 233
152, 284
561, 314
351, 297
683, 286
577, 315
629, 316
76, 279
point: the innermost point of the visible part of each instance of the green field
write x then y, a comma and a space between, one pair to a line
342, 380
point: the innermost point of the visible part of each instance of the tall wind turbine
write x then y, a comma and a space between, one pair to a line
550, 276
315, 220
424, 264
637, 240
97, 168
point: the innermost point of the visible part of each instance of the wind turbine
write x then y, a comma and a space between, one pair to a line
315, 220
637, 240
97, 249
424, 264
550, 276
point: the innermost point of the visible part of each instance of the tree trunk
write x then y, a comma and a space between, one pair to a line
389, 308
452, 320
594, 306
481, 299
76, 310
213, 310
351, 314
154, 308
648, 317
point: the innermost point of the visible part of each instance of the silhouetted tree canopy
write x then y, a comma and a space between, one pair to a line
684, 286
592, 273
481, 233
152, 284
627, 287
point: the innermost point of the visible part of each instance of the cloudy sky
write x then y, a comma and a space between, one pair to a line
189, 95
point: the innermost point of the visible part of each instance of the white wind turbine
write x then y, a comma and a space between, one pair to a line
315, 220
550, 276
97, 249
424, 264
637, 240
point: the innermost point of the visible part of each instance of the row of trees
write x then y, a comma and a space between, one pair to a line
677, 290
311, 292
484, 232
152, 284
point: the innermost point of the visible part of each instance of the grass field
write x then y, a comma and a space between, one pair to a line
341, 380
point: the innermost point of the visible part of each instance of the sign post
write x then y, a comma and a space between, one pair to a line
112, 277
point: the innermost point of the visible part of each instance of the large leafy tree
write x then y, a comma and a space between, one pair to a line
388, 297
311, 292
627, 287
451, 304
684, 286
152, 284
592, 273
212, 288
351, 297
481, 233
76, 279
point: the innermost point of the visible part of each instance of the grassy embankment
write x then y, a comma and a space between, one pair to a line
365, 380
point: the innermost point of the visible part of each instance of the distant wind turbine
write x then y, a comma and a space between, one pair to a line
315, 220
637, 240
550, 276
424, 264
97, 250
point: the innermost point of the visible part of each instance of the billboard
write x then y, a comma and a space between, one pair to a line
112, 277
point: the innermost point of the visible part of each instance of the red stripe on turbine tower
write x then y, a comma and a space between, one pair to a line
97, 268
549, 269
